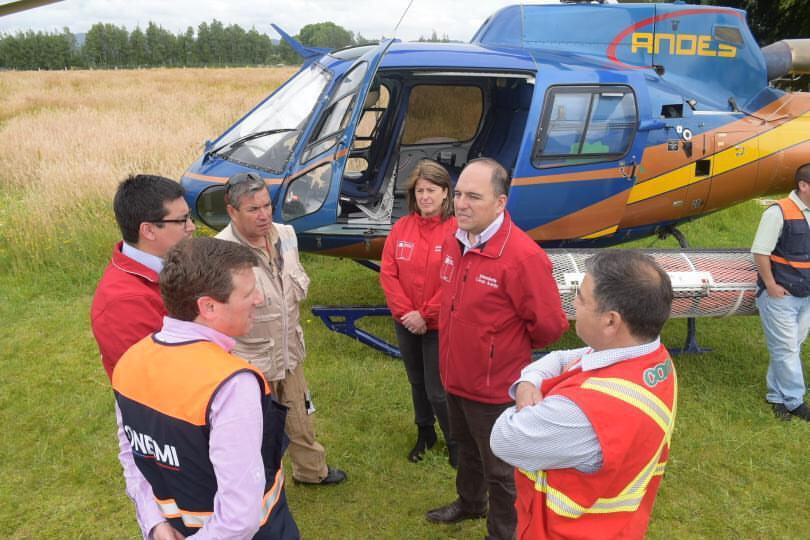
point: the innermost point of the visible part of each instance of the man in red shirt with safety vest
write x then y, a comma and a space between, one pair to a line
590, 430
781, 251
499, 301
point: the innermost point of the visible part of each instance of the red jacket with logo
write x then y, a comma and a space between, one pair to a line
126, 308
411, 258
498, 303
631, 406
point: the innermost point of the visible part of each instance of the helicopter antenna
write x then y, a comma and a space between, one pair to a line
402, 17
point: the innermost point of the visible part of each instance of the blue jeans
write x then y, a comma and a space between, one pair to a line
785, 322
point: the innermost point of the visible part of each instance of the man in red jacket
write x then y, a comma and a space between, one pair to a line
499, 301
153, 218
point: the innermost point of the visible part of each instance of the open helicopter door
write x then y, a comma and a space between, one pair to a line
310, 195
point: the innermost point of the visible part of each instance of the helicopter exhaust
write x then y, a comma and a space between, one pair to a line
706, 283
787, 56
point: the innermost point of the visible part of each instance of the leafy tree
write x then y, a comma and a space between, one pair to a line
106, 45
138, 52
326, 34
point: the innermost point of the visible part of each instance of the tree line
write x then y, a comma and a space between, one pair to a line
211, 44
214, 44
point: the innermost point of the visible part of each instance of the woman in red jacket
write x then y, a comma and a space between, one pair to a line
410, 278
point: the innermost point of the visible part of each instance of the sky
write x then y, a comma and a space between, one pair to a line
459, 19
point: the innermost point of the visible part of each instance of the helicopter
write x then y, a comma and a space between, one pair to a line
615, 121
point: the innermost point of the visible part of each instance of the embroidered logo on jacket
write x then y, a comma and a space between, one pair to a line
404, 250
657, 374
448, 266
487, 280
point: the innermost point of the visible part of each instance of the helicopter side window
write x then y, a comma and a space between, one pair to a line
728, 34
367, 131
585, 124
337, 114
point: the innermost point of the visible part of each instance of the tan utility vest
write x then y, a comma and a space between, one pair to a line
275, 344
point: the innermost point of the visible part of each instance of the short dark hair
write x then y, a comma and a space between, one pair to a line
500, 177
142, 198
198, 267
242, 184
429, 170
632, 284
803, 174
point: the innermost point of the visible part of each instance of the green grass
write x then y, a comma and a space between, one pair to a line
734, 471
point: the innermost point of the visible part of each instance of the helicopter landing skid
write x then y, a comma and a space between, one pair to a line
342, 319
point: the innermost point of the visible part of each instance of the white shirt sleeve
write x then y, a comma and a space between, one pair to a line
768, 232
553, 434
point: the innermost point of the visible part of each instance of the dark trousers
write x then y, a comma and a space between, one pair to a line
481, 475
420, 354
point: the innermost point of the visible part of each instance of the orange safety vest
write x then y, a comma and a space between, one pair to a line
631, 406
164, 393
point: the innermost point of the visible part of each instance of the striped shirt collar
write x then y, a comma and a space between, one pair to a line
591, 360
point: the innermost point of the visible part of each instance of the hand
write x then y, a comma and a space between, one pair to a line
414, 323
777, 291
526, 395
164, 531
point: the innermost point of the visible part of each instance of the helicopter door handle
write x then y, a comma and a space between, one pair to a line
632, 174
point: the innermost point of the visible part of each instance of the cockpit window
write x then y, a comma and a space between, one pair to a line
266, 137
585, 124
337, 113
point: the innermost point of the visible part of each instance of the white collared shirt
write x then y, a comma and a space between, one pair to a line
484, 237
153, 262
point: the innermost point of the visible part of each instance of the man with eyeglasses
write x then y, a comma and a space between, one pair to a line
275, 344
153, 217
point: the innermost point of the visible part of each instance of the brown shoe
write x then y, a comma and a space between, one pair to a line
452, 513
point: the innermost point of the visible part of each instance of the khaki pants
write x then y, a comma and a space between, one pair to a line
307, 455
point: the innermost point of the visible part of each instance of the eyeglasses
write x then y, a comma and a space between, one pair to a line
185, 219
244, 178
240, 178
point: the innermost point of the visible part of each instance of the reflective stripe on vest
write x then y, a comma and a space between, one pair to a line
272, 496
196, 520
629, 499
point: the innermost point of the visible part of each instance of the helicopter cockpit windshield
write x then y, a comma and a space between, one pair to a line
266, 137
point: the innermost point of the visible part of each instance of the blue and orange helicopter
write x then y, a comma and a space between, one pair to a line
616, 121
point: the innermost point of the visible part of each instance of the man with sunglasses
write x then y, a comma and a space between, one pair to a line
275, 344
153, 217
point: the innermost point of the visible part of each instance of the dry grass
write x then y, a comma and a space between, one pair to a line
67, 139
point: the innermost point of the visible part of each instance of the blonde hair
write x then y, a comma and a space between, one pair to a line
437, 175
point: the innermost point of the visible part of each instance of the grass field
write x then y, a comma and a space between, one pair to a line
66, 139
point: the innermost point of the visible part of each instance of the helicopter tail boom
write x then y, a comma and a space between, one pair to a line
787, 56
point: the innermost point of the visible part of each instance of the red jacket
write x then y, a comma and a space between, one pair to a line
498, 303
631, 406
411, 258
126, 308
